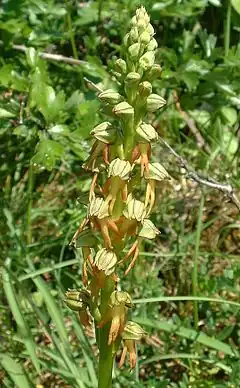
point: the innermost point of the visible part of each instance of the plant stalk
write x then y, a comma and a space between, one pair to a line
195, 263
106, 356
71, 33
227, 29
30, 201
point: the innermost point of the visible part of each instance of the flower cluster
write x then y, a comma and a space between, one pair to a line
120, 164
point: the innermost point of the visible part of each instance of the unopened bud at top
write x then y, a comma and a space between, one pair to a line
132, 78
144, 89
110, 96
154, 72
121, 66
145, 37
133, 35
134, 50
123, 110
104, 132
152, 45
147, 60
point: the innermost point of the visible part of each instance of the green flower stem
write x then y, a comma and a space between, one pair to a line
106, 359
106, 355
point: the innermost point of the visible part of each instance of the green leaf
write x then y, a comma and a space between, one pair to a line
15, 371
229, 114
48, 152
190, 334
236, 5
4, 114
32, 57
59, 129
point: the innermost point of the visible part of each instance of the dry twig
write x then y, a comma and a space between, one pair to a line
227, 189
49, 56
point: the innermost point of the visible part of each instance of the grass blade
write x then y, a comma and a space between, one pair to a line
18, 316
185, 298
15, 371
190, 334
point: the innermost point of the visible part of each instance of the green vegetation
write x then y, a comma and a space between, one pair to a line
185, 285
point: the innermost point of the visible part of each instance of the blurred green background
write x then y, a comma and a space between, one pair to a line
46, 114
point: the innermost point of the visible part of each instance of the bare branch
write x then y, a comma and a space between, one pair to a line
50, 57
227, 189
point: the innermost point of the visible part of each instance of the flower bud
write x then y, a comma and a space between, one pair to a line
154, 72
121, 66
133, 331
156, 172
152, 45
126, 40
98, 208
141, 25
110, 96
123, 110
105, 261
145, 38
147, 132
134, 21
118, 298
148, 230
145, 89
77, 300
135, 210
117, 75
132, 78
155, 102
120, 168
104, 132
147, 60
141, 15
134, 50
133, 35
150, 29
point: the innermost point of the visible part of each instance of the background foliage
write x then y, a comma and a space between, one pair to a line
46, 113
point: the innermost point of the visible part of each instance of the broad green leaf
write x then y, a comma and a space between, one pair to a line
48, 152
229, 114
229, 143
59, 129
15, 371
32, 57
5, 114
236, 5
